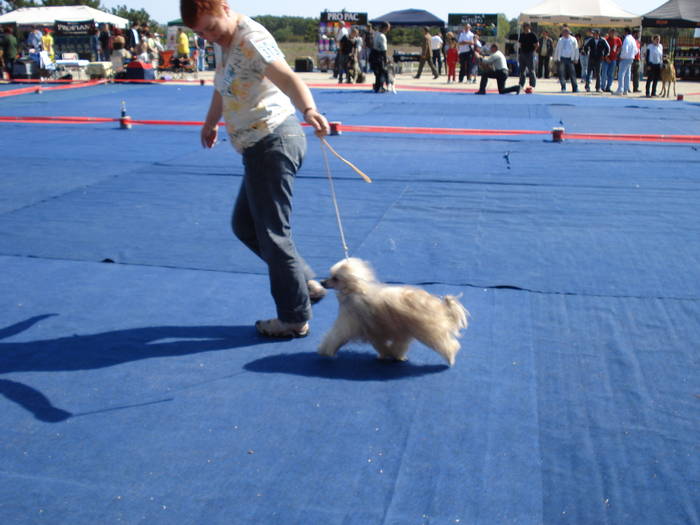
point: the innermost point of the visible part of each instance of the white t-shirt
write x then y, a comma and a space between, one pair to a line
464, 41
629, 48
252, 105
435, 42
379, 43
656, 53
496, 60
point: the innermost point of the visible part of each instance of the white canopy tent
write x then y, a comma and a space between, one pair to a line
592, 13
47, 16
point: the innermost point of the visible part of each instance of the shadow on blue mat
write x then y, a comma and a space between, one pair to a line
351, 366
86, 352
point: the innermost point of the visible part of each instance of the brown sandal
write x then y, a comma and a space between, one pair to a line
276, 329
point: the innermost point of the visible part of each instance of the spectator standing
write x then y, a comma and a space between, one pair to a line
426, 54
451, 60
354, 67
635, 63
627, 53
465, 42
378, 57
133, 39
476, 48
33, 41
583, 55
105, 37
597, 49
345, 47
9, 48
545, 52
610, 62
155, 48
449, 37
654, 57
496, 67
526, 55
94, 37
201, 46
436, 44
366, 50
47, 43
183, 44
567, 54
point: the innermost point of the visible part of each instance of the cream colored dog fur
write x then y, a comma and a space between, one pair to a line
390, 317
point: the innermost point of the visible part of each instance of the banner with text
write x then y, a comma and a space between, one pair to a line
345, 18
487, 25
74, 28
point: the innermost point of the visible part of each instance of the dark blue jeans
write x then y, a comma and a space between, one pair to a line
262, 216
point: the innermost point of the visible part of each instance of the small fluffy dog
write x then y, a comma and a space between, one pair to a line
668, 78
390, 317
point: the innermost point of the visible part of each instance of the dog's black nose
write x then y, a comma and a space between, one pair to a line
324, 283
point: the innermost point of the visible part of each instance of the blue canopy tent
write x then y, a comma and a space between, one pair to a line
410, 17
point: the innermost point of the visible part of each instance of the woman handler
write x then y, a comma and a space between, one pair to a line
256, 92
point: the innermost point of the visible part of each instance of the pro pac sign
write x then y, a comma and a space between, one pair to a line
344, 17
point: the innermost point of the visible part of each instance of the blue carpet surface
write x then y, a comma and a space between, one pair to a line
138, 392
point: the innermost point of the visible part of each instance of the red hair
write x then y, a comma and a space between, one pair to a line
191, 10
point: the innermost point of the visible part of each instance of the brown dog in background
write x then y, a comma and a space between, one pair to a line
668, 78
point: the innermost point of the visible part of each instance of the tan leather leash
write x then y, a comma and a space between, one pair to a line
324, 142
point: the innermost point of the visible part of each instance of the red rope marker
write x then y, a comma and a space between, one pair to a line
408, 130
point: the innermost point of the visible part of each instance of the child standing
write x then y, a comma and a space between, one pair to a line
452, 59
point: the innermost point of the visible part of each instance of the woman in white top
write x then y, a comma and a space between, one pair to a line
654, 58
257, 93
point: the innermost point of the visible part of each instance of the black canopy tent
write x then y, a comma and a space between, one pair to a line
674, 13
409, 17
679, 14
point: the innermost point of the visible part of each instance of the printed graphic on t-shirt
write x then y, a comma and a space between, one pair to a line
268, 49
252, 105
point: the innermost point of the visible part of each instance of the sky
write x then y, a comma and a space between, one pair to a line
165, 10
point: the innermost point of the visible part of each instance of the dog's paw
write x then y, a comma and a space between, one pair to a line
326, 350
391, 358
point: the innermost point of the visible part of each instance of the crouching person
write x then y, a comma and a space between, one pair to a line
495, 66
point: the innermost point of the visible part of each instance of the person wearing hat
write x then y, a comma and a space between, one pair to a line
426, 54
597, 49
47, 43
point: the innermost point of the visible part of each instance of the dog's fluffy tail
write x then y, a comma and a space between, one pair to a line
457, 312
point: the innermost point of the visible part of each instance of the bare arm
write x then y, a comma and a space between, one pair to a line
291, 85
210, 129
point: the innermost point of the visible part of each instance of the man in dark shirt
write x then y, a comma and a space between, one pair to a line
526, 55
597, 49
